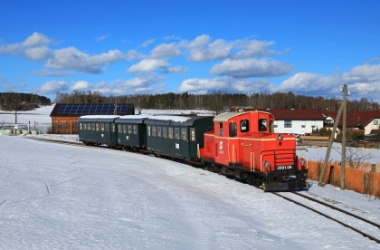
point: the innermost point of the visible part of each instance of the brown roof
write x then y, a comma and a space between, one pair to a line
356, 119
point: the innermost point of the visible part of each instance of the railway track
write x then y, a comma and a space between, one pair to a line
324, 209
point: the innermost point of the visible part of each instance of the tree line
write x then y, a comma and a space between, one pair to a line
220, 102
21, 101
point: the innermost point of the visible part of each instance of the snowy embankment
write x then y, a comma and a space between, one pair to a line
68, 197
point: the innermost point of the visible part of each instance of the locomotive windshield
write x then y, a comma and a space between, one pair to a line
263, 125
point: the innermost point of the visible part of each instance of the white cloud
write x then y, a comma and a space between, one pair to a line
148, 65
137, 85
204, 85
166, 50
53, 87
103, 37
202, 49
251, 48
177, 69
362, 81
250, 67
148, 42
80, 85
34, 48
72, 58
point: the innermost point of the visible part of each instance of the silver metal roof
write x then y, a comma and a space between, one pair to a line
224, 117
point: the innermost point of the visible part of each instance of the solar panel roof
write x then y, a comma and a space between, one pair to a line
61, 109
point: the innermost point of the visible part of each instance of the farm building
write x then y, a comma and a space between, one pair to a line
65, 117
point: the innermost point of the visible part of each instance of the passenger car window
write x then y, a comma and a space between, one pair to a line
244, 126
170, 133
184, 134
233, 129
164, 132
192, 134
176, 133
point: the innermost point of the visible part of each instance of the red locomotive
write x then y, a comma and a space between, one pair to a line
243, 145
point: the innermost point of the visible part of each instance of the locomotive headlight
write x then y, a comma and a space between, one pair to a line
266, 164
280, 138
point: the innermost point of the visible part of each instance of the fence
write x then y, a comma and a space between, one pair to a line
24, 128
365, 182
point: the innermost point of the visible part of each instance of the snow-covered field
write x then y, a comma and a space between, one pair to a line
56, 196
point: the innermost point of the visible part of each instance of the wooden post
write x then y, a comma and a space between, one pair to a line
343, 165
327, 157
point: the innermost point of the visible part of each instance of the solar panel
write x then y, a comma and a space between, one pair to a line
92, 109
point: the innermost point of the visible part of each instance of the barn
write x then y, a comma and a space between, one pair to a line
64, 117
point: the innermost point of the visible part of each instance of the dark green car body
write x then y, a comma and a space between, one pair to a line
177, 136
98, 130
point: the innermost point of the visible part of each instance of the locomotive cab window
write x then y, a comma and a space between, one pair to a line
221, 129
233, 129
263, 124
244, 126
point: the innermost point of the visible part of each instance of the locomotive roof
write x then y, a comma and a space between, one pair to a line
224, 117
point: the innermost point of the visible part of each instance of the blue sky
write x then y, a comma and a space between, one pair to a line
139, 47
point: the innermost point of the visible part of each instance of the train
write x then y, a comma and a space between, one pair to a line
240, 145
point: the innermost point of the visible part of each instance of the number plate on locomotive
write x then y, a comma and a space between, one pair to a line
285, 167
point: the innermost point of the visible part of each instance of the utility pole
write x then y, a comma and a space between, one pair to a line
342, 109
343, 165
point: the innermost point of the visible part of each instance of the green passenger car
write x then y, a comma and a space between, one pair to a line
98, 129
131, 131
177, 136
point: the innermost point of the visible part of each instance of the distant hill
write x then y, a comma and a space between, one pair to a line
22, 101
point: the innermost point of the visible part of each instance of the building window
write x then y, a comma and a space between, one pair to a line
375, 122
244, 126
287, 124
233, 129
192, 134
303, 126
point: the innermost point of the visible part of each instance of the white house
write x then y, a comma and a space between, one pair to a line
297, 121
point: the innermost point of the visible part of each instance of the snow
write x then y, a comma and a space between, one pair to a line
319, 153
131, 117
57, 196
172, 118
39, 115
99, 116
